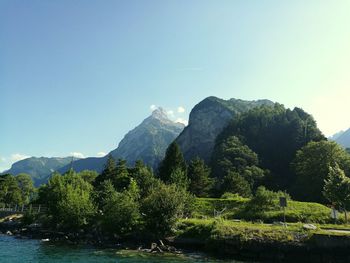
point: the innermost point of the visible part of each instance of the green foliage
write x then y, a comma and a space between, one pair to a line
236, 167
239, 208
204, 207
120, 212
133, 190
337, 188
218, 231
179, 178
230, 196
103, 192
27, 189
312, 164
163, 207
265, 199
10, 191
232, 155
69, 200
274, 134
122, 179
199, 176
28, 218
108, 173
235, 183
172, 161
88, 176
144, 178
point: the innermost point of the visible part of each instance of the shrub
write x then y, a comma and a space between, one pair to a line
163, 207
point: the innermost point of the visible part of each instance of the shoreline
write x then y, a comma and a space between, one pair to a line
319, 248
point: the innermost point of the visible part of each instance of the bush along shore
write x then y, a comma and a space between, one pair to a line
230, 239
13, 226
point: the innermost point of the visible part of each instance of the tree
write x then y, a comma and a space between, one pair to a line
88, 175
172, 161
311, 166
144, 178
122, 179
27, 189
337, 189
69, 200
235, 183
10, 193
163, 207
274, 134
179, 178
108, 173
103, 192
199, 176
120, 212
265, 199
232, 156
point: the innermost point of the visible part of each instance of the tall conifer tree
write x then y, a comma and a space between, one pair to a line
173, 161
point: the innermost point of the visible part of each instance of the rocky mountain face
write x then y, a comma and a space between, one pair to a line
343, 138
207, 120
147, 142
38, 168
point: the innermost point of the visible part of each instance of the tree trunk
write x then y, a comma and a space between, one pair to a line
346, 217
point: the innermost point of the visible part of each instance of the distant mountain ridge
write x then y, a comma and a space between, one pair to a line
343, 138
39, 168
207, 120
147, 142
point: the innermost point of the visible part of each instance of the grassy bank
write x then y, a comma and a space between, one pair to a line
213, 229
238, 208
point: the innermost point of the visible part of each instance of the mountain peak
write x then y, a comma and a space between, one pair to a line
343, 138
160, 113
214, 114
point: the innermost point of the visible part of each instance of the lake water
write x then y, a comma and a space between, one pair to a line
14, 250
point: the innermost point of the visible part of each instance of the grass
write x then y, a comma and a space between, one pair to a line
214, 229
256, 223
238, 208
220, 229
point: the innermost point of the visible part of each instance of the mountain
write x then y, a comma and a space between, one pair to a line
343, 139
207, 120
38, 168
147, 142
336, 136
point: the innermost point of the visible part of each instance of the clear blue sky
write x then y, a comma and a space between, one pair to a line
75, 76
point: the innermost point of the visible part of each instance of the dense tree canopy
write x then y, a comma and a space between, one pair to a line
163, 207
120, 211
233, 182
274, 134
144, 178
312, 164
337, 189
69, 200
108, 173
122, 178
16, 190
231, 156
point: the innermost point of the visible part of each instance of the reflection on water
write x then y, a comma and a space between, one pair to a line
22, 250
